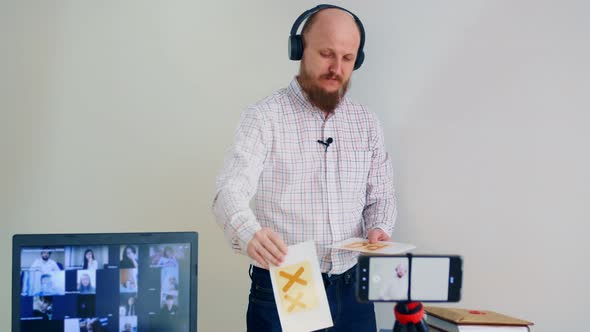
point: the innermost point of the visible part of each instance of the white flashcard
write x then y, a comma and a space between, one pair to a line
299, 290
379, 248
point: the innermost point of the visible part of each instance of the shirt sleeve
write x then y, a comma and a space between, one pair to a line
380, 208
238, 181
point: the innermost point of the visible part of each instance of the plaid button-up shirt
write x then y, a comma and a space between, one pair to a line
302, 189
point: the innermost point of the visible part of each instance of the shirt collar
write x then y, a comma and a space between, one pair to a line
295, 90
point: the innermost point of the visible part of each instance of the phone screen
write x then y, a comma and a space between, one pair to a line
430, 278
389, 278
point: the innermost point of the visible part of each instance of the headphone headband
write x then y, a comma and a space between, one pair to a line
296, 43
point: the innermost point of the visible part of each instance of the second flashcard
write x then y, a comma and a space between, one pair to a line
299, 290
381, 247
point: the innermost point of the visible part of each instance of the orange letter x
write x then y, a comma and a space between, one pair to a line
292, 278
295, 302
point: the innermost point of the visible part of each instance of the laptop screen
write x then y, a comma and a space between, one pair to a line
105, 282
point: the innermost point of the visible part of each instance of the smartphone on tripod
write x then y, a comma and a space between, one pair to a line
397, 278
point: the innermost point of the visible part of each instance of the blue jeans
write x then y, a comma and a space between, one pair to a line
347, 313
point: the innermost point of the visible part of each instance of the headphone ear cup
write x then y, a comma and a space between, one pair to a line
360, 57
295, 47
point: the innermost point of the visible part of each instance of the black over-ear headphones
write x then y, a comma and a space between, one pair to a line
296, 42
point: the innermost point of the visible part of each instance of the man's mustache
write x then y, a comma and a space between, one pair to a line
332, 77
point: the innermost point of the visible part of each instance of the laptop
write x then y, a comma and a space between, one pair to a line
129, 282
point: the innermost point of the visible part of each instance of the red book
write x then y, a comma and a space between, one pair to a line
459, 320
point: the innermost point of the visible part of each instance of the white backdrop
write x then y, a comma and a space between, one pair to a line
115, 116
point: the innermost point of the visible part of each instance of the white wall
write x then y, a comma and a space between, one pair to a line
114, 116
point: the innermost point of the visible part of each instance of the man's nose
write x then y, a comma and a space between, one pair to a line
335, 66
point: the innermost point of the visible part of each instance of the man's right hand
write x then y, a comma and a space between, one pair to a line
266, 247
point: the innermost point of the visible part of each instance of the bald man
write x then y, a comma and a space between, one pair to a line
315, 164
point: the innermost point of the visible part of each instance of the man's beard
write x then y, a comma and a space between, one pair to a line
322, 99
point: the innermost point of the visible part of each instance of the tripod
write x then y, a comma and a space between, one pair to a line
409, 317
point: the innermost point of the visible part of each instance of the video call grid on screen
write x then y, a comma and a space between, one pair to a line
110, 287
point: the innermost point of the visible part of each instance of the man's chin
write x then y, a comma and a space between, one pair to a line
330, 91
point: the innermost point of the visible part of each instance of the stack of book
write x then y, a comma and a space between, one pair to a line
459, 320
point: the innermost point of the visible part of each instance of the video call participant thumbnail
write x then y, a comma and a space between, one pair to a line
129, 258
44, 263
51, 284
86, 281
42, 307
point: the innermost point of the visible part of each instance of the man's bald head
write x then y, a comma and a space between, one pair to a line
329, 21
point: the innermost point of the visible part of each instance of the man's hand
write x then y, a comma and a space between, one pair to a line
377, 234
266, 247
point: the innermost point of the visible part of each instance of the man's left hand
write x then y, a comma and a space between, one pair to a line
377, 234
